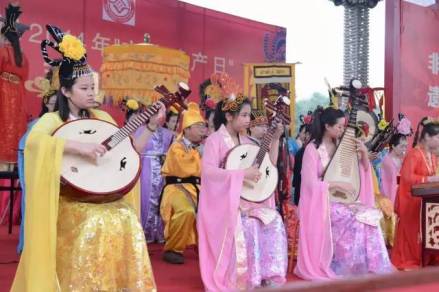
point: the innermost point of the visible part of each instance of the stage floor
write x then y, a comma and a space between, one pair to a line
168, 277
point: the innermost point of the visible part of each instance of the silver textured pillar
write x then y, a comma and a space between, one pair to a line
356, 41
356, 44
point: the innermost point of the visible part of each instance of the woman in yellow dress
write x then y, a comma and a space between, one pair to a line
73, 246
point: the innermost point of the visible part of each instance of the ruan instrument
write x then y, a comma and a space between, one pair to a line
115, 173
246, 155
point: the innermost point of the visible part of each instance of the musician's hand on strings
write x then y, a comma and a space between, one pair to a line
252, 173
91, 150
362, 149
88, 150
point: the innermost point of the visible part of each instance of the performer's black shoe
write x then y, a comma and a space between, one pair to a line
173, 257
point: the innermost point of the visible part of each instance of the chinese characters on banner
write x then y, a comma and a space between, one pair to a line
220, 64
215, 42
433, 90
412, 60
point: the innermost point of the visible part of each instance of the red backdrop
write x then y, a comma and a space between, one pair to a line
215, 41
412, 60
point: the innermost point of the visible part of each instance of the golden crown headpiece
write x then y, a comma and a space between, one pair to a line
230, 91
233, 103
73, 63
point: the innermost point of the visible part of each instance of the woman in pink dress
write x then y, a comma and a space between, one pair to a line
336, 239
242, 245
393, 160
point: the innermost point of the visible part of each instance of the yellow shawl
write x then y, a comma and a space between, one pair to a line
43, 156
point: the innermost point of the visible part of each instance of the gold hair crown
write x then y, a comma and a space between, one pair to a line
232, 104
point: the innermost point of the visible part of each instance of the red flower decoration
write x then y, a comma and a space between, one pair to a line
365, 128
307, 119
210, 104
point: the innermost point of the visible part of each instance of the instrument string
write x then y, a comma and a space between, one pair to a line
131, 126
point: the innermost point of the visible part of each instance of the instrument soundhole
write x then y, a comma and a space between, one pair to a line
243, 156
123, 164
74, 169
87, 132
339, 194
267, 172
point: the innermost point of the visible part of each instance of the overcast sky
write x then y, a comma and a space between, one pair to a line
314, 37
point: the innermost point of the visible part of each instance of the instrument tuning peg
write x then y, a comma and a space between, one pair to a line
285, 99
184, 89
355, 83
161, 89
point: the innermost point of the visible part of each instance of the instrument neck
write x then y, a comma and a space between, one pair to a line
265, 145
130, 127
352, 121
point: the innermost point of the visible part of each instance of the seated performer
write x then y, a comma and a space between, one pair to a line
298, 157
419, 166
70, 245
181, 172
382, 203
172, 119
392, 162
294, 145
242, 245
336, 239
152, 154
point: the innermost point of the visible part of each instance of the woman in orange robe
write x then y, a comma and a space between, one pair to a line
419, 166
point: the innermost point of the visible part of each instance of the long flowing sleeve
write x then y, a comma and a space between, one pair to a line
218, 217
367, 194
412, 172
315, 242
409, 173
43, 156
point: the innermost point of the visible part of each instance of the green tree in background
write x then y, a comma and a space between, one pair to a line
310, 104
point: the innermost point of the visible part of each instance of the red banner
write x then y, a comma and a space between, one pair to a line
412, 60
214, 41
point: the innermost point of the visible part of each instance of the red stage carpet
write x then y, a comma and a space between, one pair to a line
8, 256
168, 277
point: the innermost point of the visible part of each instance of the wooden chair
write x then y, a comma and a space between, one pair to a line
13, 187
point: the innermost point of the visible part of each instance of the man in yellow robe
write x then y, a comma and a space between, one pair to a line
182, 169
